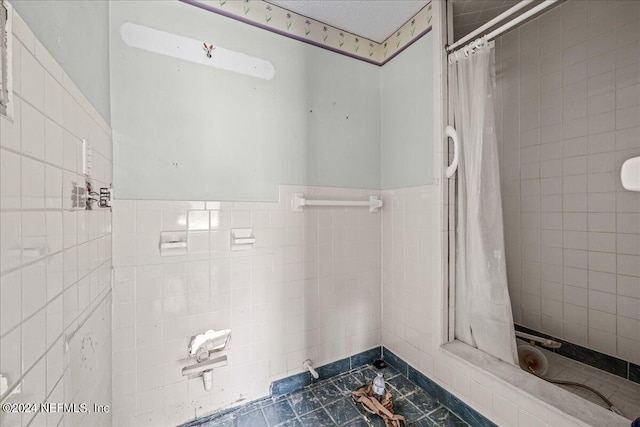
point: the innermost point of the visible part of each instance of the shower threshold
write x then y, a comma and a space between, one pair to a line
564, 404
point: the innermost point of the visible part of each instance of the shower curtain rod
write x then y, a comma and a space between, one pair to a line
489, 24
493, 34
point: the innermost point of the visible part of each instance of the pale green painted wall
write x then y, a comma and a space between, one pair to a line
317, 122
235, 137
325, 119
406, 88
76, 34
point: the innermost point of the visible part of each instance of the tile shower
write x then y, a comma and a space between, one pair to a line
569, 90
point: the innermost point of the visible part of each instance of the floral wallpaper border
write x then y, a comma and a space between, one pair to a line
282, 21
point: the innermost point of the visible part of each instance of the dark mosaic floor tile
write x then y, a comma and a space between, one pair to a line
347, 384
225, 419
374, 419
304, 401
270, 400
389, 371
423, 401
364, 375
216, 423
342, 411
291, 423
317, 418
327, 392
407, 409
425, 422
251, 419
360, 422
278, 413
329, 403
445, 418
402, 385
248, 407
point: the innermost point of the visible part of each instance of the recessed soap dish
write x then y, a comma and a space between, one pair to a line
173, 243
242, 239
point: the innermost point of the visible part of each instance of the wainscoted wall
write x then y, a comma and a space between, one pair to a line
569, 85
55, 258
309, 289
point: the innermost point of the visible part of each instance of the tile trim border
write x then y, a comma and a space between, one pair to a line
454, 404
299, 381
610, 364
281, 21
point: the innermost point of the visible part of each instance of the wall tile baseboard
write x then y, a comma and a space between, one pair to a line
604, 362
457, 406
298, 381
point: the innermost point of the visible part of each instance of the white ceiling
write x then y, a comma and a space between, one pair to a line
374, 20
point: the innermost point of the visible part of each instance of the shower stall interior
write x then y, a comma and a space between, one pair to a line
567, 116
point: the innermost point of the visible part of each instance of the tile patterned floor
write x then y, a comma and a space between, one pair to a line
624, 394
329, 403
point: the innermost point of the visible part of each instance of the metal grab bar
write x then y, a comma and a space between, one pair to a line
298, 202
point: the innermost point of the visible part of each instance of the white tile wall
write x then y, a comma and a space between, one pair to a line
55, 260
568, 82
309, 289
409, 310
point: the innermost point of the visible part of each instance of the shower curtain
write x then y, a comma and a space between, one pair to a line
483, 316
